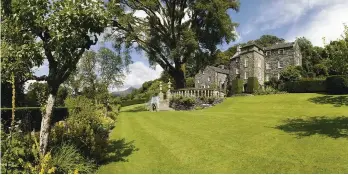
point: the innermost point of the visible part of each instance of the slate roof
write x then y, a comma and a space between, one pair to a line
236, 55
219, 70
252, 44
280, 45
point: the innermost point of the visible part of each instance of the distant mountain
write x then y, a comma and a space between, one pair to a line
124, 92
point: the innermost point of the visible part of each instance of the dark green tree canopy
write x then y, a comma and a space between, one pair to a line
171, 32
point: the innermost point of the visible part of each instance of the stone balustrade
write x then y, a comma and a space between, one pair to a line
197, 93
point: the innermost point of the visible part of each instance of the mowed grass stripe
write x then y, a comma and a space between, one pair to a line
237, 136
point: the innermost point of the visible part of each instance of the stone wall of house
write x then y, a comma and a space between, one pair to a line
210, 79
285, 59
297, 55
205, 78
221, 79
234, 65
259, 67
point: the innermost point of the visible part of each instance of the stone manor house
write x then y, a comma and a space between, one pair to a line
251, 61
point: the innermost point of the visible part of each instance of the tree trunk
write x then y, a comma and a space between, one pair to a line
46, 122
179, 77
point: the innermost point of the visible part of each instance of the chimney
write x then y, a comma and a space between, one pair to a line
238, 49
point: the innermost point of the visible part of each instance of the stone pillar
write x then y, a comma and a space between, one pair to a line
169, 95
160, 93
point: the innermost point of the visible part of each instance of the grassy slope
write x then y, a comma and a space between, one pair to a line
237, 136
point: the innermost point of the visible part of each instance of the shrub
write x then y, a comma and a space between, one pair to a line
253, 85
133, 102
190, 82
291, 73
182, 103
305, 86
87, 128
268, 91
67, 159
337, 84
31, 117
273, 83
237, 86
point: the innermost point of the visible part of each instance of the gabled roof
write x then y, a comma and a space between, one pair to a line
252, 44
236, 55
219, 70
280, 45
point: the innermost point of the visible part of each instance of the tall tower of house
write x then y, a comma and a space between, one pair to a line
249, 62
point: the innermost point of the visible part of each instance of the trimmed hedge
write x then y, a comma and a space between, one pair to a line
31, 116
337, 84
133, 102
305, 86
253, 85
237, 86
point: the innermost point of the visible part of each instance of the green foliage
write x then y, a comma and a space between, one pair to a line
237, 86
267, 40
185, 102
290, 73
67, 159
338, 54
133, 102
321, 70
305, 86
190, 82
337, 84
38, 93
268, 91
253, 85
15, 149
273, 83
31, 117
177, 40
87, 128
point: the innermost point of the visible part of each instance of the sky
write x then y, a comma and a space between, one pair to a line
288, 19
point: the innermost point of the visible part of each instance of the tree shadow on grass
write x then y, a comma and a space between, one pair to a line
119, 150
136, 109
337, 101
327, 126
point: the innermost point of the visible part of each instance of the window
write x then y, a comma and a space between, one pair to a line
245, 62
281, 51
278, 76
203, 86
280, 64
267, 77
259, 63
268, 66
197, 81
208, 78
237, 60
237, 71
208, 86
245, 75
268, 53
297, 61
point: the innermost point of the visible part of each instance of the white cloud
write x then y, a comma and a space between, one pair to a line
282, 12
327, 23
139, 73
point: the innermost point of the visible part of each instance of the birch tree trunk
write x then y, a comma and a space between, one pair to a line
46, 123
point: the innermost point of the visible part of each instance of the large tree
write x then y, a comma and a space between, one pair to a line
338, 54
97, 72
59, 31
171, 32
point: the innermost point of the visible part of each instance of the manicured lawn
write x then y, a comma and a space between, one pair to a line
289, 133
